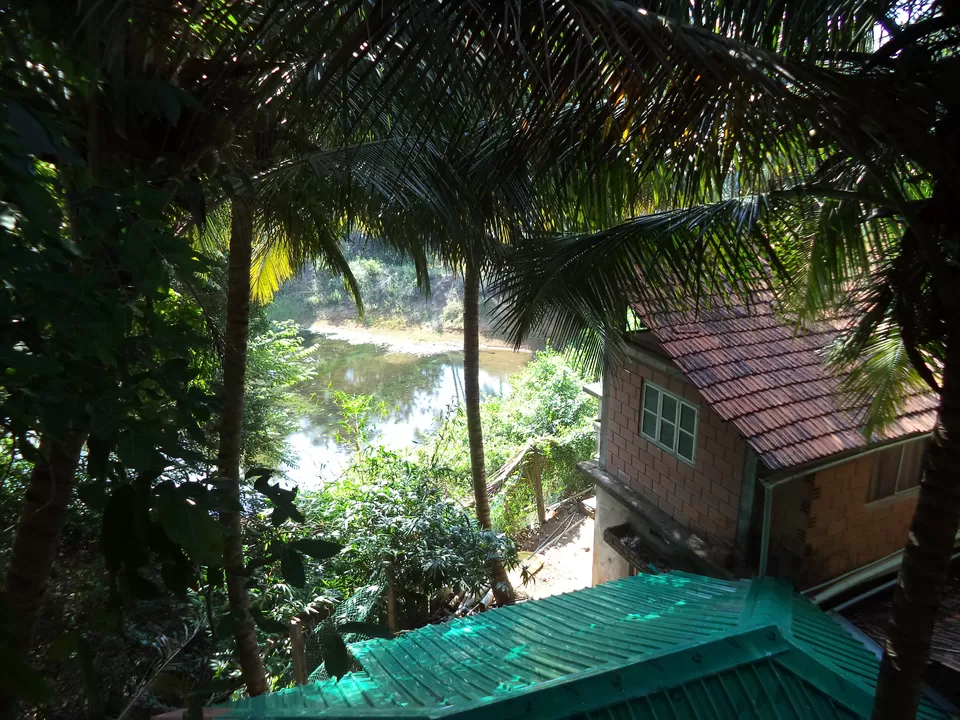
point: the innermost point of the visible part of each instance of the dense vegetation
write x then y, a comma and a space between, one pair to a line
400, 518
546, 411
388, 286
578, 155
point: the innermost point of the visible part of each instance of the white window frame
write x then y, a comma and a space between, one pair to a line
676, 422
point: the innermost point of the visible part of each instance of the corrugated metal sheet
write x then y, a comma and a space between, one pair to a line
817, 633
534, 642
758, 691
758, 373
657, 646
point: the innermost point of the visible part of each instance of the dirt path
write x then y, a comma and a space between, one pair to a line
567, 561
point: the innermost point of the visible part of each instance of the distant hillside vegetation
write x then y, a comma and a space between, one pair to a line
388, 285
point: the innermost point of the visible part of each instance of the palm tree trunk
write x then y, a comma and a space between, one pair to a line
35, 543
228, 458
926, 557
502, 589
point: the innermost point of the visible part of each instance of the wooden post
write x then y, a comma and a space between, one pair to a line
534, 473
298, 652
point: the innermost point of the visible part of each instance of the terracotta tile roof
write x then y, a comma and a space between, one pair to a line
771, 382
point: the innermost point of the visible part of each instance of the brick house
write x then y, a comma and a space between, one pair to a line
725, 446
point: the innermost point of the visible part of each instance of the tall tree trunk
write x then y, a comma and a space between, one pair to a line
926, 557
502, 589
228, 458
35, 543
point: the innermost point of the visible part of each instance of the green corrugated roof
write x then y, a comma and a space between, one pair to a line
661, 646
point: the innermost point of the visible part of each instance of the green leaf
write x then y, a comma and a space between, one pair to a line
93, 495
267, 623
22, 681
139, 587
291, 565
159, 98
123, 529
138, 452
177, 577
106, 619
258, 563
34, 135
317, 549
368, 629
336, 657
190, 526
64, 646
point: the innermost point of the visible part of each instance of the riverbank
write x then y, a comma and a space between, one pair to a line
416, 340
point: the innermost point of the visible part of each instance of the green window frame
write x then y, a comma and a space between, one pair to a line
669, 422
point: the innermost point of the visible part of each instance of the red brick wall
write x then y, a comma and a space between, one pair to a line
704, 497
845, 532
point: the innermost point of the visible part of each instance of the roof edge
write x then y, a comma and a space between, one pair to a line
608, 685
792, 472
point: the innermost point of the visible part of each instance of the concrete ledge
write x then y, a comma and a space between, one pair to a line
682, 549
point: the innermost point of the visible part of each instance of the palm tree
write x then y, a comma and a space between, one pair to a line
829, 177
148, 139
695, 91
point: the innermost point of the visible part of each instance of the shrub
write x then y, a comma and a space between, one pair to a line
392, 517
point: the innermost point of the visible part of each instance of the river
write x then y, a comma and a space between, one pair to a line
418, 381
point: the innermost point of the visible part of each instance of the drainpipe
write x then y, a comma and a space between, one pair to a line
765, 535
769, 485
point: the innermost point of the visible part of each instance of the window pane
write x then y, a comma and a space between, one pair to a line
649, 426
911, 467
685, 445
667, 431
669, 409
886, 464
651, 398
688, 419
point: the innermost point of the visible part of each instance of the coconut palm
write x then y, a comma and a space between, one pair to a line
830, 180
297, 210
699, 92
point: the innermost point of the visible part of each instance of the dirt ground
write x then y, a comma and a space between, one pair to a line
559, 554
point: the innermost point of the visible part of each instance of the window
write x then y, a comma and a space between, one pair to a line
669, 422
897, 469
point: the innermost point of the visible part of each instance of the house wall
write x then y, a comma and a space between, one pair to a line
845, 531
704, 497
823, 525
608, 564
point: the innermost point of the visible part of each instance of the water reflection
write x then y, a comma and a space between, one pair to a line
416, 389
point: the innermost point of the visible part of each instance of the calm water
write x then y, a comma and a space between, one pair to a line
416, 389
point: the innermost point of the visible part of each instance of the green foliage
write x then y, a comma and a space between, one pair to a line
391, 516
388, 286
277, 361
546, 399
357, 415
546, 406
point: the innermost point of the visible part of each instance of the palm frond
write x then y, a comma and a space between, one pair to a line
880, 379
